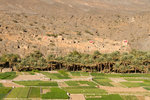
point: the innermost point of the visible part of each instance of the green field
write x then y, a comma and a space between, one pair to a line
4, 91
8, 75
55, 90
60, 75
19, 93
34, 92
103, 81
56, 93
78, 83
36, 83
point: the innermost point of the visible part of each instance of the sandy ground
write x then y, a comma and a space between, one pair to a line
37, 76
136, 81
77, 79
140, 97
44, 91
52, 71
118, 80
121, 89
77, 97
147, 98
117, 84
7, 83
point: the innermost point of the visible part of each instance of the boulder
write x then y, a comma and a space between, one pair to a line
6, 70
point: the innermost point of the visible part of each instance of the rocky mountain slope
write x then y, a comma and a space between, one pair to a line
61, 26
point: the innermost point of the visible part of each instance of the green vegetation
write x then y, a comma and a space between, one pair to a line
85, 90
78, 83
60, 75
34, 92
19, 92
37, 83
93, 99
103, 81
111, 97
133, 84
72, 83
3, 92
56, 93
1, 85
147, 88
84, 74
132, 62
8, 75
129, 97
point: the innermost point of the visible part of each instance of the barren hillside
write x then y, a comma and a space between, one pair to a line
61, 26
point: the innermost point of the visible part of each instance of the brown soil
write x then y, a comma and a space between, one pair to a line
11, 84
118, 80
140, 97
62, 84
53, 71
116, 84
121, 89
29, 77
136, 81
44, 91
147, 98
77, 97
27, 26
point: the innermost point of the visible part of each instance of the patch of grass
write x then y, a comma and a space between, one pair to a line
103, 81
50, 75
131, 84
34, 92
111, 97
72, 83
77, 83
134, 79
64, 73
147, 88
37, 83
31, 73
88, 83
93, 99
8, 75
4, 90
56, 93
60, 75
129, 97
1, 85
86, 90
75, 73
84, 73
19, 92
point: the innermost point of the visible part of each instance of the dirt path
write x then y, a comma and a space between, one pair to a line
62, 84
78, 79
7, 83
121, 89
77, 97
30, 77
118, 80
147, 98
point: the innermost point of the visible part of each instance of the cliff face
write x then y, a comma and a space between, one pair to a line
61, 26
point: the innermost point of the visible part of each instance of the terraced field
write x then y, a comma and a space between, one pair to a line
89, 86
